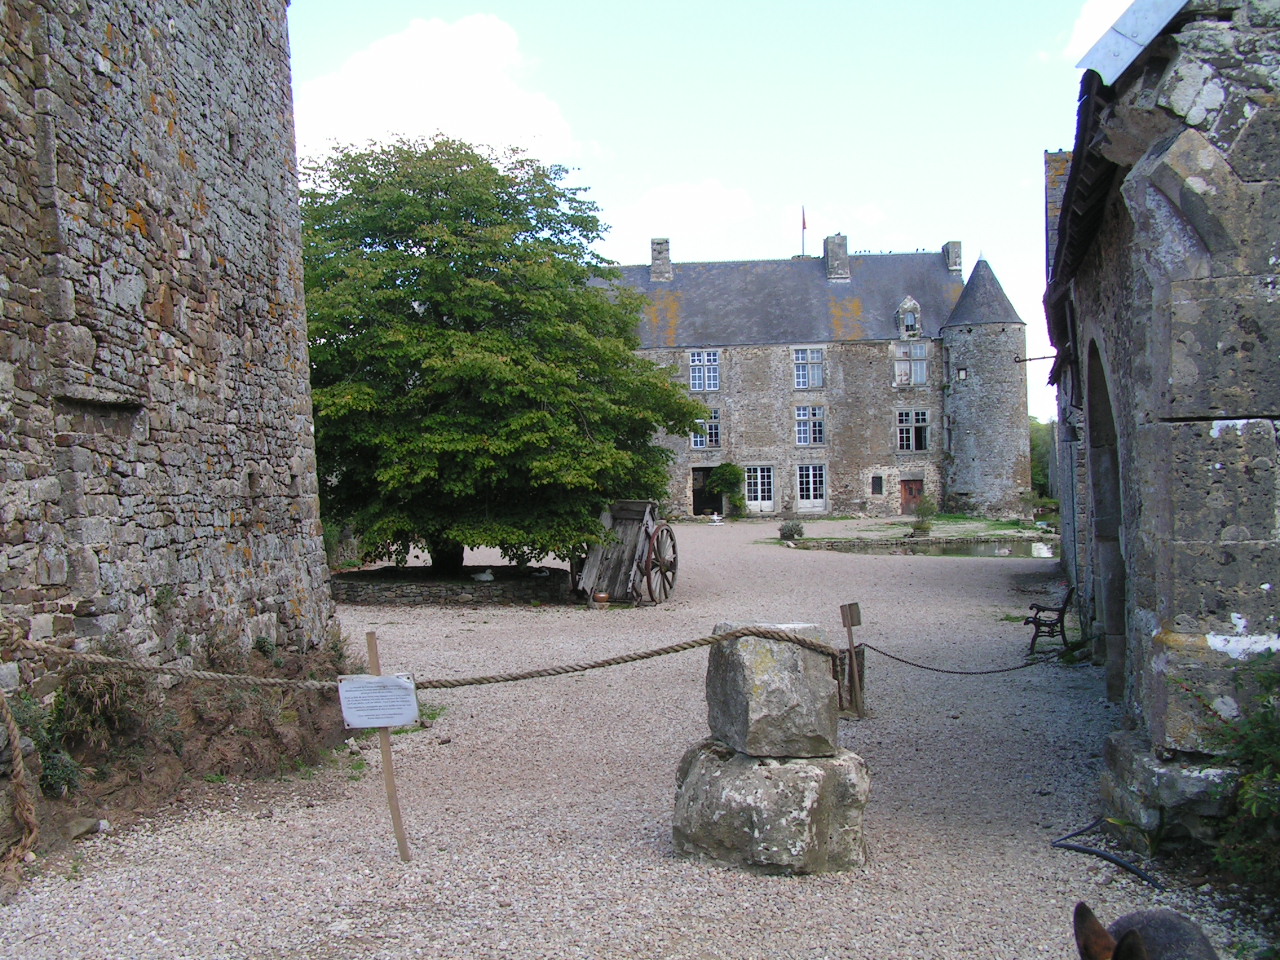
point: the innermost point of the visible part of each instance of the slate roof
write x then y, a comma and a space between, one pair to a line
792, 301
983, 301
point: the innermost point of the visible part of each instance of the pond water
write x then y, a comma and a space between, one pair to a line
965, 548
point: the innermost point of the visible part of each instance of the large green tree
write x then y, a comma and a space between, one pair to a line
474, 371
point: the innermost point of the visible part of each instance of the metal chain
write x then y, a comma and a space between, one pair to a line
965, 673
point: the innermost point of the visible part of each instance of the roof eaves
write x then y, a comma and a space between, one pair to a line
1125, 40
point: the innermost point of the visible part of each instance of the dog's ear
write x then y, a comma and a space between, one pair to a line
1092, 939
1130, 947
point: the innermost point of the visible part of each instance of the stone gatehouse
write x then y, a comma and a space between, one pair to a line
844, 384
158, 481
1163, 306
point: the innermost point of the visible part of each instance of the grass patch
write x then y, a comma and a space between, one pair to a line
428, 714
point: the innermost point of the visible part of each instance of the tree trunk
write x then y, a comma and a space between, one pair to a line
446, 557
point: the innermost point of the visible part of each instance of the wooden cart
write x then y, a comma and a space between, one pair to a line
640, 564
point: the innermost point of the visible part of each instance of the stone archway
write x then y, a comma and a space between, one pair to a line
1109, 577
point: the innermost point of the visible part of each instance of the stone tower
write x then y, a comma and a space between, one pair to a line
988, 442
158, 484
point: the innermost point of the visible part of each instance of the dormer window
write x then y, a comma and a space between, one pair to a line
909, 318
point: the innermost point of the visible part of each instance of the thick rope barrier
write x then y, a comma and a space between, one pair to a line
24, 808
438, 683
444, 683
764, 633
169, 669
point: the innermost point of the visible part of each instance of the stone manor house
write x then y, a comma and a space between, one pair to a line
844, 384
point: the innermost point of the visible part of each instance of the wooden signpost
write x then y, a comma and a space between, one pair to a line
850, 617
372, 700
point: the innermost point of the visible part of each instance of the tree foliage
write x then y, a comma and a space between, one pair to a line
473, 362
1043, 451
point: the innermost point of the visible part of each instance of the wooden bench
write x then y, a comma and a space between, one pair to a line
1048, 620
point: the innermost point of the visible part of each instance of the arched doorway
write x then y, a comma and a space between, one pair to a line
1109, 580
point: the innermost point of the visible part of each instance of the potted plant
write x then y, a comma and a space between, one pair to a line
926, 509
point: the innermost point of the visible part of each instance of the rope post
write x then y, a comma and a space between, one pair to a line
388, 772
850, 617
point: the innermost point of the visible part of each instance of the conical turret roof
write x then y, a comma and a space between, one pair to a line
983, 301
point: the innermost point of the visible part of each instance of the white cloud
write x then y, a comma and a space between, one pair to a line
704, 220
1095, 18
463, 79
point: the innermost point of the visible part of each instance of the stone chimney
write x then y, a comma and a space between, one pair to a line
660, 266
951, 251
835, 251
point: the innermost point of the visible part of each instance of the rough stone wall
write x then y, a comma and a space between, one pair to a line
989, 460
158, 478
1056, 165
757, 400
371, 588
1178, 298
1073, 499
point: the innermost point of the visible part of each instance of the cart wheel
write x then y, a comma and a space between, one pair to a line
660, 563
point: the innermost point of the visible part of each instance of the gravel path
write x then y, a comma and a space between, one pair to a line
539, 813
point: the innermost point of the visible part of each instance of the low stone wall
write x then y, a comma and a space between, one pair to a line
848, 545
367, 587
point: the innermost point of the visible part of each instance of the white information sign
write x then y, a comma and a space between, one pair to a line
369, 701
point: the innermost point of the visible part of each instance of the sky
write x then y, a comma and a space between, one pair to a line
713, 123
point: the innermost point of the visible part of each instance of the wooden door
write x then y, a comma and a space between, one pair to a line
912, 491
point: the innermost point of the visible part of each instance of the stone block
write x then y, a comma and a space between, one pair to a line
767, 698
1228, 589
1220, 478
1256, 152
1223, 338
1264, 13
1158, 797
70, 343
51, 566
796, 816
1189, 690
82, 570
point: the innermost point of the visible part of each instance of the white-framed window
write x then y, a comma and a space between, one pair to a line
811, 486
911, 366
809, 426
759, 488
704, 370
712, 438
910, 322
808, 367
913, 430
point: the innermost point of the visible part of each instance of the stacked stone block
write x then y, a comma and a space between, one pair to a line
771, 790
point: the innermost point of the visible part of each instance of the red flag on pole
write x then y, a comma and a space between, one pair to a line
803, 223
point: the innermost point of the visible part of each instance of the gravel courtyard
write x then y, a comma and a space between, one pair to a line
539, 813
